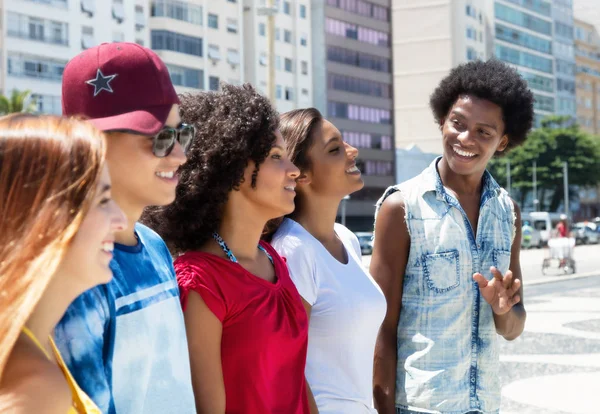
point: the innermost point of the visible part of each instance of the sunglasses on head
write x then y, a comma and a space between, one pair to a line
164, 141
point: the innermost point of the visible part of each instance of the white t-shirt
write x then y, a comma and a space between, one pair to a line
347, 310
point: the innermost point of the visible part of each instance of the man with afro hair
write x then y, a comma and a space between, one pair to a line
446, 254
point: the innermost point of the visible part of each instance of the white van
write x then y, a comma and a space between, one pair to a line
544, 222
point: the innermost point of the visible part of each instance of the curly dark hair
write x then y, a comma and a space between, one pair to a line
233, 127
494, 81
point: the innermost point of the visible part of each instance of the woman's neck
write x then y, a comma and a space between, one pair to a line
49, 310
317, 215
242, 233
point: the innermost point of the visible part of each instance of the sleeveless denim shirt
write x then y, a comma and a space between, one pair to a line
447, 343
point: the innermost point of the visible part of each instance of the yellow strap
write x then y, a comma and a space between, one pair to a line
81, 402
33, 338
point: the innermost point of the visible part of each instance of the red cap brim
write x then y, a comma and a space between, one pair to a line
147, 121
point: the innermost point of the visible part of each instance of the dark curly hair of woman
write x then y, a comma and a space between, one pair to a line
496, 82
233, 127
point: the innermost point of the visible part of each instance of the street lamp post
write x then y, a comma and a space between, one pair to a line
270, 10
566, 186
535, 199
343, 213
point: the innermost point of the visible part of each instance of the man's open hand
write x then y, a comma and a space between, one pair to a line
500, 292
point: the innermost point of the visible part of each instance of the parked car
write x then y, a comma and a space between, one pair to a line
366, 242
585, 234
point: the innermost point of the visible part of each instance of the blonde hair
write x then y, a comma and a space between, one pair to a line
49, 170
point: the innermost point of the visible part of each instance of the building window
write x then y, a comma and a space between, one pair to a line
521, 38
214, 53
304, 91
359, 113
278, 62
543, 103
303, 39
287, 36
118, 37
213, 83
304, 67
356, 32
517, 57
471, 54
302, 11
140, 17
139, 42
177, 10
88, 7
87, 37
288, 66
278, 92
165, 40
47, 104
35, 67
538, 82
262, 29
277, 34
47, 31
362, 8
286, 7
359, 85
289, 94
359, 59
187, 77
233, 57
519, 18
263, 59
118, 11
232, 25
213, 21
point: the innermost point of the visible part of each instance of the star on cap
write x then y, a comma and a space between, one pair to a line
101, 83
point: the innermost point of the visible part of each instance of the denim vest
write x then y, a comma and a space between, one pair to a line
447, 343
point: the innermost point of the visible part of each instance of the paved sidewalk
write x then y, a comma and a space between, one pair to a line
554, 367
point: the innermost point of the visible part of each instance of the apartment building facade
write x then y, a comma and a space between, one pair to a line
587, 51
430, 38
200, 41
293, 54
352, 83
40, 36
534, 36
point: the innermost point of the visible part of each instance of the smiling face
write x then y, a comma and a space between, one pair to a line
274, 193
472, 133
333, 170
139, 178
86, 263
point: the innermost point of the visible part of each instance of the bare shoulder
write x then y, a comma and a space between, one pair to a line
33, 386
516, 208
390, 218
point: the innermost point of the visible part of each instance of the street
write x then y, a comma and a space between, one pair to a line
554, 366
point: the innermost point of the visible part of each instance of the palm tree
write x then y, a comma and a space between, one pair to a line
19, 101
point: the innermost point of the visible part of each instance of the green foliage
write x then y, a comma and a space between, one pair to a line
558, 140
17, 102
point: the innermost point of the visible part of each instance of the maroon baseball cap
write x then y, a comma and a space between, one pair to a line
119, 86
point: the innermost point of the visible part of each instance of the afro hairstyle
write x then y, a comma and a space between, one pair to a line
233, 128
494, 81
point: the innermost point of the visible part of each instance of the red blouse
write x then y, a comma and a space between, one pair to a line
265, 331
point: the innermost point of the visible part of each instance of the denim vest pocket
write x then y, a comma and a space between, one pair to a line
501, 259
442, 270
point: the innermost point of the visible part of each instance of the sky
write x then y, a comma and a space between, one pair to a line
588, 10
